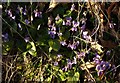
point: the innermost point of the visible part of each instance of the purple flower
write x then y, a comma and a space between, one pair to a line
53, 28
83, 27
72, 7
63, 23
59, 34
5, 37
113, 67
38, 27
100, 73
50, 19
69, 18
27, 21
77, 43
73, 45
96, 59
31, 18
9, 12
74, 61
111, 25
59, 55
19, 26
73, 29
101, 66
108, 52
97, 56
68, 21
24, 11
52, 34
63, 43
27, 39
55, 63
13, 17
38, 13
69, 64
18, 9
52, 31
65, 68
75, 24
80, 54
85, 36
57, 17
98, 67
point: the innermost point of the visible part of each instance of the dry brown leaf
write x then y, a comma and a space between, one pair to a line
87, 65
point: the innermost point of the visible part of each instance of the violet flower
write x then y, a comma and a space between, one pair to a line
73, 45
9, 12
75, 24
63, 23
38, 13
108, 52
27, 21
68, 21
86, 36
83, 27
101, 66
72, 7
69, 64
80, 55
5, 37
52, 31
59, 55
55, 63
24, 11
59, 34
73, 29
74, 61
52, 34
63, 43
65, 68
57, 17
27, 39
19, 26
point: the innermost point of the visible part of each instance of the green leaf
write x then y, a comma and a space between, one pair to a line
59, 22
54, 44
28, 46
50, 49
66, 35
49, 78
68, 13
14, 26
33, 46
76, 76
32, 51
